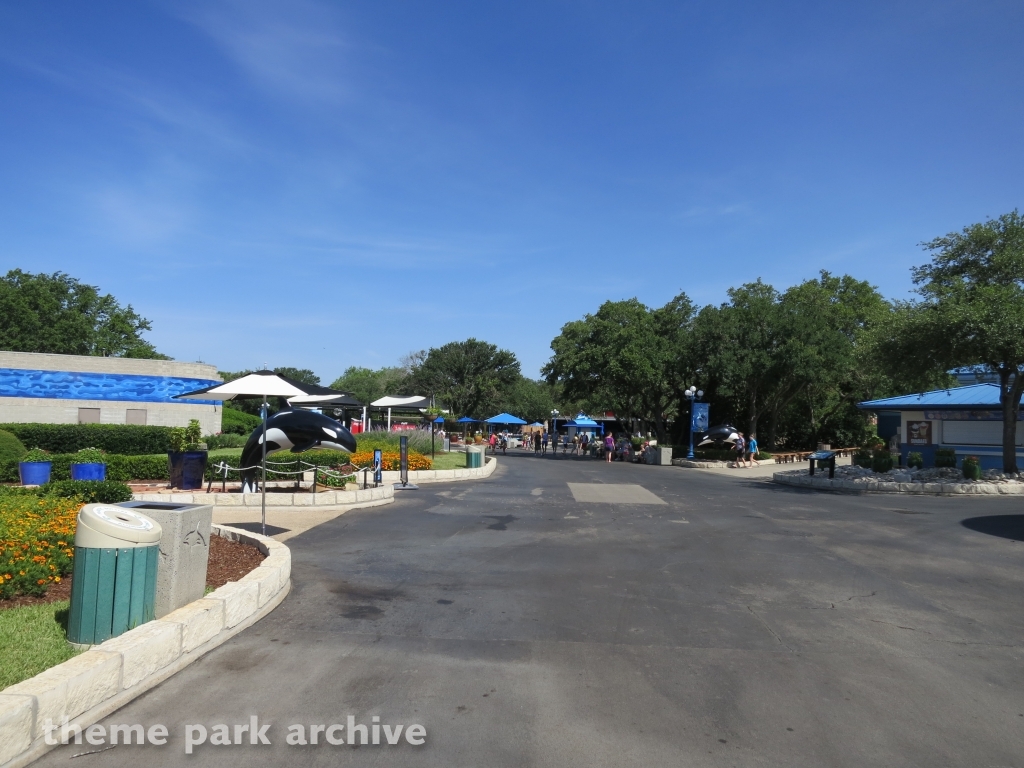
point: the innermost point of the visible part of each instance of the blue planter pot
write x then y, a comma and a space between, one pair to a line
89, 471
34, 472
187, 469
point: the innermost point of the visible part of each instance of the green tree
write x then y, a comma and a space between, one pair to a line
468, 377
971, 313
627, 358
61, 315
797, 358
528, 399
368, 385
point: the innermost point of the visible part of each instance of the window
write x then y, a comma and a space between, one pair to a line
135, 416
88, 415
976, 433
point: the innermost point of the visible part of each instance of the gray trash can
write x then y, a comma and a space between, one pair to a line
113, 588
184, 550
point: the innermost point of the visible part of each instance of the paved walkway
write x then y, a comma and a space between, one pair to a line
641, 616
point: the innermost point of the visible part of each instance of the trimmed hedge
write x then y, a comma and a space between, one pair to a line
235, 422
124, 439
89, 491
119, 468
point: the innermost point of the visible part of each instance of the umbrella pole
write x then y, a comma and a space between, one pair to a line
264, 483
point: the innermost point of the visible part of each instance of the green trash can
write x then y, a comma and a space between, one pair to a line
474, 457
114, 584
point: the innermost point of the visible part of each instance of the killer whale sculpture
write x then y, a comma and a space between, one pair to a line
721, 434
296, 430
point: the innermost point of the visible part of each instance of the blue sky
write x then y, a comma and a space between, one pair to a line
325, 184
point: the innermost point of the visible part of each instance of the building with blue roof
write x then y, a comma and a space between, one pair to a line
967, 419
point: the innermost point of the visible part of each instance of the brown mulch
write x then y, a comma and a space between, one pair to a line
229, 561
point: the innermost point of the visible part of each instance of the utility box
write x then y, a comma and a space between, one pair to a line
113, 588
184, 550
474, 456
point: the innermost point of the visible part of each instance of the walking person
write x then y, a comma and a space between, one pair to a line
544, 442
752, 451
493, 442
739, 448
536, 442
609, 447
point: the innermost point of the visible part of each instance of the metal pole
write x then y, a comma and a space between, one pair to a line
689, 455
264, 488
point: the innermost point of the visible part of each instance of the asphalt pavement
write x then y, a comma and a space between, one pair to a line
568, 612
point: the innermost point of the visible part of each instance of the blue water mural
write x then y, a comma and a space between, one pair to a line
16, 382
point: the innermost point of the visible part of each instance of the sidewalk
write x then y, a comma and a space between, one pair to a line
765, 470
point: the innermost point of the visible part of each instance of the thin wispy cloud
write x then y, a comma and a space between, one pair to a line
297, 49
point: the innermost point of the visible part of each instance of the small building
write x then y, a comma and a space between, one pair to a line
967, 419
74, 389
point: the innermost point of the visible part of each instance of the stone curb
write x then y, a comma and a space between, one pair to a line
914, 489
94, 684
711, 464
371, 497
349, 499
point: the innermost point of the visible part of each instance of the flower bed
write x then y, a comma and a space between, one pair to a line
36, 542
946, 475
391, 461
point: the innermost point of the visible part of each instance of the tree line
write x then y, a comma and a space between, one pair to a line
790, 365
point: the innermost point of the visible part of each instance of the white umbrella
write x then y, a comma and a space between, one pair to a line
261, 384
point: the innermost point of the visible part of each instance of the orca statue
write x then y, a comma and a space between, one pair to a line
721, 435
297, 430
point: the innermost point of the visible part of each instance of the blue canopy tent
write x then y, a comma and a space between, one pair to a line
505, 418
582, 421
536, 424
466, 420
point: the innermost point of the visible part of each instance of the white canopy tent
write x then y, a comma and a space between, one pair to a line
403, 402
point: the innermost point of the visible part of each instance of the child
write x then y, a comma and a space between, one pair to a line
752, 451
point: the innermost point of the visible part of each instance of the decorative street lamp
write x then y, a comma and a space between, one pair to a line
693, 395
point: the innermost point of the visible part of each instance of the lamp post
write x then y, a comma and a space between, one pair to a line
554, 431
693, 395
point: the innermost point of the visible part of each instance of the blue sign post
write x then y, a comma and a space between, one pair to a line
378, 461
698, 422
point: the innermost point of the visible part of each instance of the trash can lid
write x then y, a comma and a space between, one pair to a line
104, 526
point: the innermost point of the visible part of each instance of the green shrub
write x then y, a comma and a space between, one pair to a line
881, 460
90, 456
186, 438
971, 468
36, 455
419, 440
234, 422
225, 440
914, 459
89, 491
945, 457
124, 439
863, 458
11, 447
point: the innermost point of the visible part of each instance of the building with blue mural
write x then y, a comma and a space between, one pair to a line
72, 389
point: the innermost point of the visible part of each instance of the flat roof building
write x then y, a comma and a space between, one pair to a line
75, 389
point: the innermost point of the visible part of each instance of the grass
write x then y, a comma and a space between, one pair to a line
453, 460
33, 639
